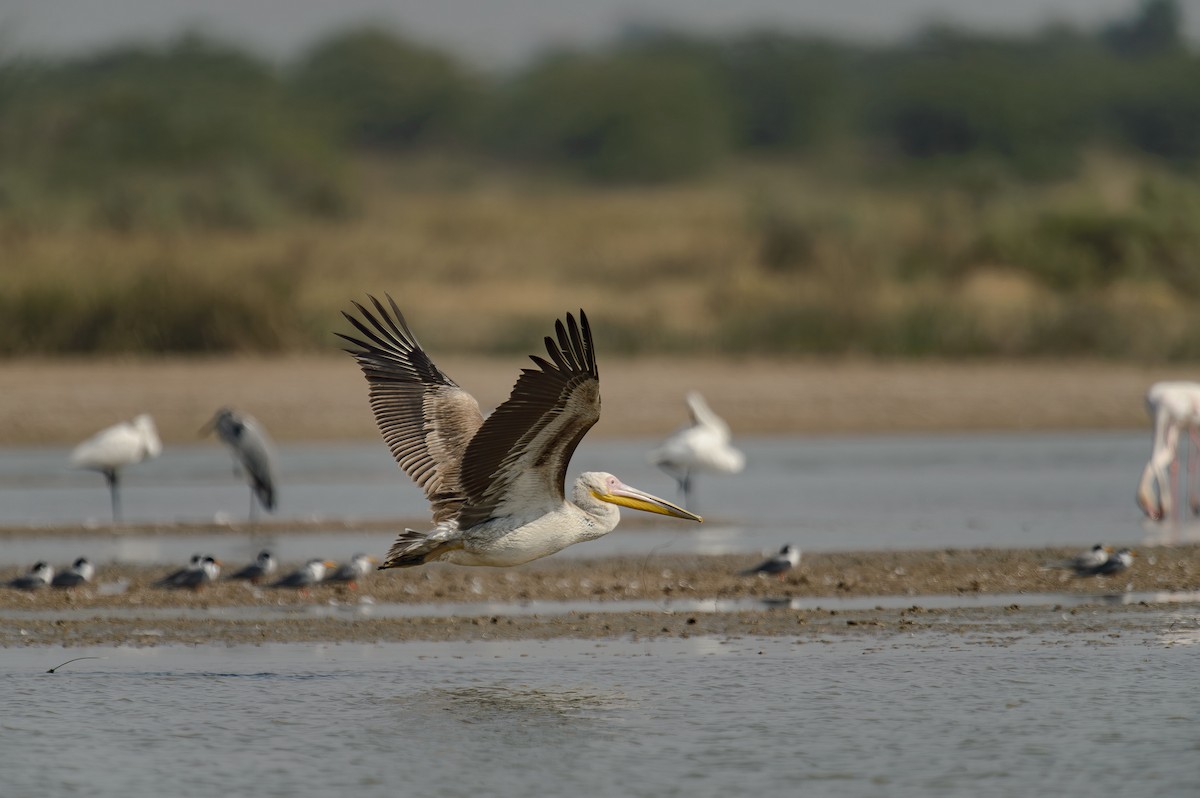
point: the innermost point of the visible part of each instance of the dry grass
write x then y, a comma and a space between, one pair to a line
782, 263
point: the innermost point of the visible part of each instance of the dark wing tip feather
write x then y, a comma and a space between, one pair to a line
554, 396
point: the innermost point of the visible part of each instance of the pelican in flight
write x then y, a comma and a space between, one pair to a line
703, 445
497, 487
1175, 408
120, 445
248, 442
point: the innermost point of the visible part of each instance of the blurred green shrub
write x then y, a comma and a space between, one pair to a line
193, 133
163, 311
383, 92
619, 117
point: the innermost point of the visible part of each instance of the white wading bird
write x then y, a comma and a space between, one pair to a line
702, 446
248, 442
1175, 408
497, 487
120, 445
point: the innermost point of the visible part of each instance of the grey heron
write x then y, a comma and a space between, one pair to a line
252, 449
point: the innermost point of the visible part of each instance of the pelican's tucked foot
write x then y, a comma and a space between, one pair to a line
417, 548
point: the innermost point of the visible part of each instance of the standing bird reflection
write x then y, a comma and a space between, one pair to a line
253, 451
702, 446
497, 486
111, 449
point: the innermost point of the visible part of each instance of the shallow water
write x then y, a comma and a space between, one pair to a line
819, 493
906, 715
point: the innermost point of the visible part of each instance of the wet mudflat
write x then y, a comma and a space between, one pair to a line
124, 602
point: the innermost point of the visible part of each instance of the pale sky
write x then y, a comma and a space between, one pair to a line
503, 32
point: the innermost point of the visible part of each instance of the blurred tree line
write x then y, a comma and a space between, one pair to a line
201, 131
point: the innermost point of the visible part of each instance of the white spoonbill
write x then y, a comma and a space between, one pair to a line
120, 445
498, 486
1175, 408
251, 447
702, 446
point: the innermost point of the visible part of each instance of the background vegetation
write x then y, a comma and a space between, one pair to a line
763, 193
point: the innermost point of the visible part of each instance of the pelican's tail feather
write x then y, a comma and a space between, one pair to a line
417, 548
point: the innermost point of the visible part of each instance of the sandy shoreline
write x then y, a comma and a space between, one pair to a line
59, 402
660, 578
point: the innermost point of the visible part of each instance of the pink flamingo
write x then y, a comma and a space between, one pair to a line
1174, 406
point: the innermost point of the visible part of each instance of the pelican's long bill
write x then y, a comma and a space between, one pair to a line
635, 499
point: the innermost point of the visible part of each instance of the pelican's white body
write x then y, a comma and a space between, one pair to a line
1174, 407
533, 533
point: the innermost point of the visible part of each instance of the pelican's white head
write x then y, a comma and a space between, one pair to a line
607, 488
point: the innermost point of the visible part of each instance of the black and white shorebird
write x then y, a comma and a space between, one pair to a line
172, 579
352, 572
313, 573
1086, 562
778, 565
81, 571
35, 578
1117, 563
201, 571
263, 566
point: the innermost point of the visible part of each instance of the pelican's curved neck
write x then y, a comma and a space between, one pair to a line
602, 517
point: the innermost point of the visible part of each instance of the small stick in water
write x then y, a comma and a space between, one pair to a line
68, 662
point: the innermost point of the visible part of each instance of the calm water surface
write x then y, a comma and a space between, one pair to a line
819, 493
924, 715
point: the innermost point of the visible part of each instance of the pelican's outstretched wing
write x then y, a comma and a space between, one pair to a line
518, 460
426, 419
